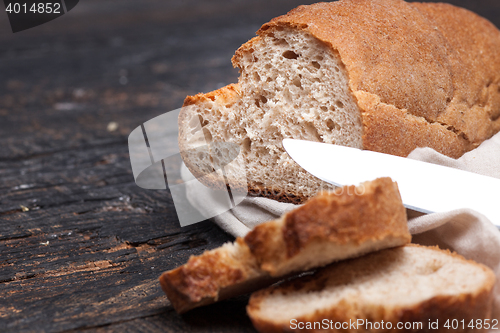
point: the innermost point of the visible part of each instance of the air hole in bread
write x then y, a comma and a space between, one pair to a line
316, 64
429, 269
262, 99
208, 135
323, 108
289, 54
281, 43
247, 144
339, 104
332, 125
311, 130
337, 69
296, 82
256, 76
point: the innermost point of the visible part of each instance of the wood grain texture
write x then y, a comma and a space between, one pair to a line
81, 246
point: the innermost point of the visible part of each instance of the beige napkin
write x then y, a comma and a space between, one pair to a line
463, 231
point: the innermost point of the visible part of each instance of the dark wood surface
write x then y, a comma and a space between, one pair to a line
81, 246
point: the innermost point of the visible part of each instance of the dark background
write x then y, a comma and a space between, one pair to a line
81, 246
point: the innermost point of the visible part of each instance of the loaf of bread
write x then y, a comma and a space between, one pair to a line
411, 286
383, 75
333, 226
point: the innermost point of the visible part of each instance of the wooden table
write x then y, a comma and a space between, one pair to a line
81, 246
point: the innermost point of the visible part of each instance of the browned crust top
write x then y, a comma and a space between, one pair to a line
226, 95
349, 215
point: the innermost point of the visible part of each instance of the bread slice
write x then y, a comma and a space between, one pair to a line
412, 285
331, 226
343, 224
383, 75
215, 275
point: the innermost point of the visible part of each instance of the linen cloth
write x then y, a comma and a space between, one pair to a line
464, 231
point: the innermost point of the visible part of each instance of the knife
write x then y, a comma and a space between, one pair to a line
424, 187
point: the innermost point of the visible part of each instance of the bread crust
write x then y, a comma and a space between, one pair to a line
201, 279
274, 193
351, 216
226, 95
462, 306
393, 131
410, 57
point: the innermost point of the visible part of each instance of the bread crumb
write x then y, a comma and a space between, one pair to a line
112, 126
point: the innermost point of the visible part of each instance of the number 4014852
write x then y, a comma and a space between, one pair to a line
473, 324
36, 8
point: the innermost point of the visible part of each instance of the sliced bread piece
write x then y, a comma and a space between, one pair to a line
411, 285
215, 275
342, 224
331, 226
384, 75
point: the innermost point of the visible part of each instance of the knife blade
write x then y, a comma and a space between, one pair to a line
424, 187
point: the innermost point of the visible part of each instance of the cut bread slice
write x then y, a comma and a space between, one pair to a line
383, 75
409, 285
343, 224
215, 275
333, 226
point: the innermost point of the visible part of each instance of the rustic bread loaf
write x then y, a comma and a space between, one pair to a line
409, 285
383, 75
331, 226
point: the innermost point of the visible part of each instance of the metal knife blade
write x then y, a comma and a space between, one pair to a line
424, 187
